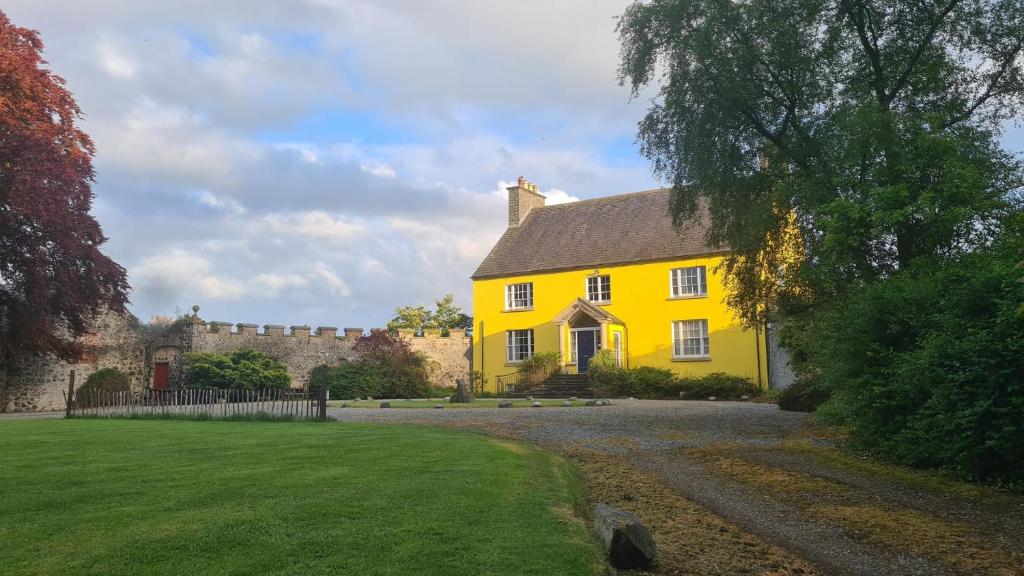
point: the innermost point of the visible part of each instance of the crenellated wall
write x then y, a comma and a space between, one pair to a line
121, 343
299, 347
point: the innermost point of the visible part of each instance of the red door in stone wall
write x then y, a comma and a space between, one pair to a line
161, 374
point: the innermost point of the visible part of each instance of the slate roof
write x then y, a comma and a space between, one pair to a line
621, 229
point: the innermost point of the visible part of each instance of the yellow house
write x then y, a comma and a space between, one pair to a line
607, 273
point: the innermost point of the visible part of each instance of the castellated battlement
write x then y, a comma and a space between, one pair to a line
142, 354
278, 330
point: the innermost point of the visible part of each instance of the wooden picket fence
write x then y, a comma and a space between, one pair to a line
189, 402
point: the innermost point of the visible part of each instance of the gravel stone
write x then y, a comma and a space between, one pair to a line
658, 432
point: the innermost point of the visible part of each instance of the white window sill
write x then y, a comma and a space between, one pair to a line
691, 358
600, 302
688, 297
518, 309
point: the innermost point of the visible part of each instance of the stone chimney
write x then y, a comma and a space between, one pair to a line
522, 198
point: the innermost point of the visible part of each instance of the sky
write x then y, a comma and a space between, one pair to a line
323, 161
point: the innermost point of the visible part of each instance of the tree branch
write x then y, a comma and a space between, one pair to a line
901, 82
854, 11
990, 90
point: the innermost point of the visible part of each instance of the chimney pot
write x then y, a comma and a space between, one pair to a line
522, 198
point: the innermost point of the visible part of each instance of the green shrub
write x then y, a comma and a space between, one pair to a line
603, 360
718, 384
651, 382
241, 369
605, 377
406, 372
538, 368
100, 384
803, 395
926, 367
350, 380
608, 379
387, 368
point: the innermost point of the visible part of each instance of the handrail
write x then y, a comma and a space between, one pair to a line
506, 383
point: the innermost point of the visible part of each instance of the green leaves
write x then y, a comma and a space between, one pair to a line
873, 123
417, 318
848, 154
242, 369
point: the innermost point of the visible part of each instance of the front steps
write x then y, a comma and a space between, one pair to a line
559, 386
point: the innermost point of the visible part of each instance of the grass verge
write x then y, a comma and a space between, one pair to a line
896, 508
691, 540
171, 497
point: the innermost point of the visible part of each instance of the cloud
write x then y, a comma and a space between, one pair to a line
557, 196
291, 163
272, 285
115, 62
312, 224
335, 284
183, 272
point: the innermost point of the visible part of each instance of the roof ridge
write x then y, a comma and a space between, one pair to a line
620, 228
603, 198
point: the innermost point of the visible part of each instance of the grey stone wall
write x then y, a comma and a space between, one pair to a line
117, 342
450, 357
299, 349
780, 372
39, 384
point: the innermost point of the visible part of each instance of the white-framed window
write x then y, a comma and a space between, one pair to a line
617, 346
691, 281
690, 339
519, 296
599, 288
520, 345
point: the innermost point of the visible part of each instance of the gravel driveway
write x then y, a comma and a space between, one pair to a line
672, 440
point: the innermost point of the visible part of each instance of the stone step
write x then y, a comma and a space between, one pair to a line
560, 386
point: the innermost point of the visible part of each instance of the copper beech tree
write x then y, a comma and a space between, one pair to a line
53, 277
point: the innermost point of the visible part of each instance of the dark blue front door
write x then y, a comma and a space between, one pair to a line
585, 348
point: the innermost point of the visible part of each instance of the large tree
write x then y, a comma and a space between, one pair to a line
53, 278
867, 127
447, 315
847, 152
444, 317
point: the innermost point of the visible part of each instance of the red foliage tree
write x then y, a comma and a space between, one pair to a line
53, 277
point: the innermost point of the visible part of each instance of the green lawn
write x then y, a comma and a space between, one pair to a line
175, 497
432, 403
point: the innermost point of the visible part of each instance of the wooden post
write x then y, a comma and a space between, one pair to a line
323, 404
71, 393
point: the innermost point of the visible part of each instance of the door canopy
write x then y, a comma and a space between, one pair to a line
583, 313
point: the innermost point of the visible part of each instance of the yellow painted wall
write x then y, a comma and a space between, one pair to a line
640, 298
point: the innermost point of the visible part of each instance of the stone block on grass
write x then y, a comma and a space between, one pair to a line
463, 393
626, 541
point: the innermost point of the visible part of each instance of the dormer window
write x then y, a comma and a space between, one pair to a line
519, 296
599, 289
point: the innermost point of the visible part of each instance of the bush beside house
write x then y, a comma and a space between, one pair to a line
608, 379
538, 368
